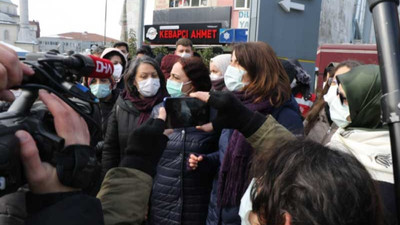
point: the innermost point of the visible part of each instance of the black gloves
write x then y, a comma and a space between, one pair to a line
77, 166
233, 114
145, 147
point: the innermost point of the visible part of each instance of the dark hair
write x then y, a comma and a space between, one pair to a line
167, 63
268, 78
294, 70
121, 43
129, 76
159, 57
290, 69
184, 42
145, 50
328, 70
197, 72
315, 185
319, 104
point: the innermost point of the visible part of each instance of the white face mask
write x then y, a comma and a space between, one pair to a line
339, 112
149, 87
233, 78
214, 76
185, 55
331, 94
246, 206
117, 72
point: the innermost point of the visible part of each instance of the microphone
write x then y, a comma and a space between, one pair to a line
89, 66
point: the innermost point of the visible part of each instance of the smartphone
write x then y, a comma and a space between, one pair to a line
186, 112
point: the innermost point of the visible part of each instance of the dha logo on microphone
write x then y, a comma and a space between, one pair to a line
102, 67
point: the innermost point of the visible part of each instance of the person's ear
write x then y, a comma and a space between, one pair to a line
288, 218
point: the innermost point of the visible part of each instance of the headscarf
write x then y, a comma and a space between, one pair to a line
221, 62
362, 86
109, 51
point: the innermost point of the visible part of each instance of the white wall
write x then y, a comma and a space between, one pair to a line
336, 21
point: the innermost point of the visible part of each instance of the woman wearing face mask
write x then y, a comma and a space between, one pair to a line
118, 59
218, 66
104, 90
180, 195
258, 80
318, 125
145, 88
356, 109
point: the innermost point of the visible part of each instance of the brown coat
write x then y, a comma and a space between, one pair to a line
322, 131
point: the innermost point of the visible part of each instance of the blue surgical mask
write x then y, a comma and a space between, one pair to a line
339, 112
233, 78
175, 88
100, 90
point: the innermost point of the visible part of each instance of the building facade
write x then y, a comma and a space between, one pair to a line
10, 26
175, 11
346, 21
73, 41
203, 21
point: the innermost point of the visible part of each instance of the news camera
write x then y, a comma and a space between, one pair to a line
61, 76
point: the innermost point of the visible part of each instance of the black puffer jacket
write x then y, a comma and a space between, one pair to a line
123, 119
181, 195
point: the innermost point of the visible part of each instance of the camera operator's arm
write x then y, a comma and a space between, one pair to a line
259, 130
11, 72
51, 202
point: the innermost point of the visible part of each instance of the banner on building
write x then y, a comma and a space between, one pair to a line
169, 34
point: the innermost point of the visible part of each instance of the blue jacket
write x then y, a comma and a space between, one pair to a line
181, 195
289, 116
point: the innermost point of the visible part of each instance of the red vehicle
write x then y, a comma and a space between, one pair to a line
365, 53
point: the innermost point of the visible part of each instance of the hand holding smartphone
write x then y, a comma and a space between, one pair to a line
186, 112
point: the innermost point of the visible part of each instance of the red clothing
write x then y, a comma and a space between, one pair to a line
304, 105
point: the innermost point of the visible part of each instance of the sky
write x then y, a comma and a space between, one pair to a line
61, 16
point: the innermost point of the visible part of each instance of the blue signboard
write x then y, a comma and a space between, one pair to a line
241, 35
232, 35
226, 35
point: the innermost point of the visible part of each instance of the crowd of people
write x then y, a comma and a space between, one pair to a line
273, 153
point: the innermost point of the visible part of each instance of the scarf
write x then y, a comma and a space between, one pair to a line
218, 85
144, 105
232, 181
363, 88
370, 146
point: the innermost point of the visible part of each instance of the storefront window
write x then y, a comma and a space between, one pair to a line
187, 3
242, 4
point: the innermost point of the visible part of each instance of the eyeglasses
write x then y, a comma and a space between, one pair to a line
341, 96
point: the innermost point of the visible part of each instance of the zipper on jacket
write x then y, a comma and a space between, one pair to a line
183, 167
